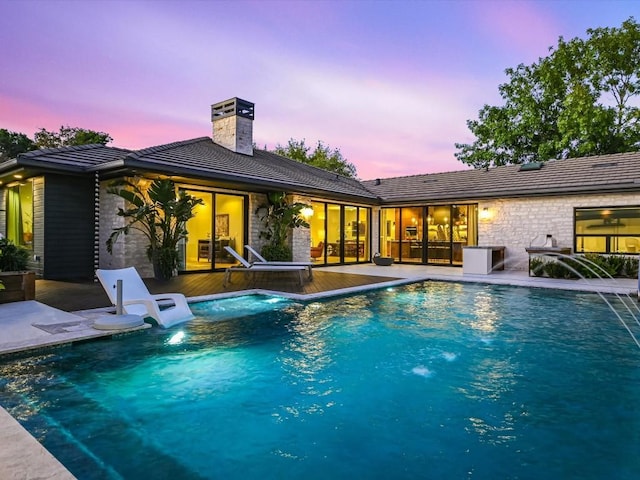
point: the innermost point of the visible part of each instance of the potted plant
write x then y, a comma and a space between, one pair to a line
160, 215
279, 216
16, 284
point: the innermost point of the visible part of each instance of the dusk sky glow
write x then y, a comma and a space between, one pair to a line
389, 83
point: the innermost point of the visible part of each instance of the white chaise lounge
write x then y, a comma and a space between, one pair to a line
137, 300
260, 260
247, 267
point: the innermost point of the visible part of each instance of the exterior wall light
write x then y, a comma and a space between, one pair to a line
485, 214
307, 212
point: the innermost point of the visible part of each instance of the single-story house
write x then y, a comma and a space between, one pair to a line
54, 202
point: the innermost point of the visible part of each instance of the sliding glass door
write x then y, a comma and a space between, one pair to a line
432, 234
219, 222
339, 233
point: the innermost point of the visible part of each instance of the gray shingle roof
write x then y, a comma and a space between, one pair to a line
79, 158
605, 173
199, 157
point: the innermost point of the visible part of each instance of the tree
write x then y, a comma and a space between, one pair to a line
13, 143
70, 136
322, 157
577, 101
160, 215
279, 216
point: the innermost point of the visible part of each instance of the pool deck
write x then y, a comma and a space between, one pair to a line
44, 323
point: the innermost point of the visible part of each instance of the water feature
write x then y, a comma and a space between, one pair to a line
431, 380
625, 301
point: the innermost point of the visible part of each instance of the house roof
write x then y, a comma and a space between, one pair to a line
602, 173
201, 158
77, 159
204, 159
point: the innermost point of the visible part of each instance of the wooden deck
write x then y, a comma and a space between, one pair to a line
70, 297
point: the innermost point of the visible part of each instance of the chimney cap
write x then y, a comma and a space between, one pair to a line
233, 106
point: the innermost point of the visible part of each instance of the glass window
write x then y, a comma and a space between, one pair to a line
607, 230
339, 233
334, 233
441, 230
317, 228
218, 222
390, 233
20, 214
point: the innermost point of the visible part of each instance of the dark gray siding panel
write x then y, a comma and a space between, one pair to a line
68, 227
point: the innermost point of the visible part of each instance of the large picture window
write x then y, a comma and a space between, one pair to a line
607, 230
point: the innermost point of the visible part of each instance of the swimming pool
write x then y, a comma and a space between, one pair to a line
431, 380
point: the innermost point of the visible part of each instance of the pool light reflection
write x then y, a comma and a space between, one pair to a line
176, 338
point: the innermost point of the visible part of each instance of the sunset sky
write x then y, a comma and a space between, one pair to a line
389, 83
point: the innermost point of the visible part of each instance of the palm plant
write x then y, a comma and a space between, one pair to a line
279, 216
160, 215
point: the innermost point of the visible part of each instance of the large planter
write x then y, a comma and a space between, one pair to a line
18, 286
163, 262
382, 261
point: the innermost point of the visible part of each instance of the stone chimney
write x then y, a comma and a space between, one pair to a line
233, 125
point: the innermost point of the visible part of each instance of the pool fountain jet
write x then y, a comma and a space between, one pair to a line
596, 270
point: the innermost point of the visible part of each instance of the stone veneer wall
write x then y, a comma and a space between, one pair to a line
254, 223
375, 230
129, 250
514, 223
234, 133
299, 238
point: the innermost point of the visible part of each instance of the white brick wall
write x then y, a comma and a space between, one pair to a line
514, 223
130, 250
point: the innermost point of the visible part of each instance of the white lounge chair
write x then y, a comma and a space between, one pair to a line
263, 261
247, 267
137, 300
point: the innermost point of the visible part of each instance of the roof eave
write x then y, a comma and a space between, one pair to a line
132, 163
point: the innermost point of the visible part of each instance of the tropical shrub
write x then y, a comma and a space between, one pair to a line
12, 257
279, 216
160, 215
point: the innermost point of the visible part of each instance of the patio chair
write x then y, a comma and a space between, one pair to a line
317, 252
247, 267
263, 261
137, 300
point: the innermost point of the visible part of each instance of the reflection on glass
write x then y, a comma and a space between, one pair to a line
608, 230
218, 222
20, 214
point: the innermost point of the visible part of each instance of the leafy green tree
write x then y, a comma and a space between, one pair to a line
279, 216
322, 156
70, 136
579, 100
13, 143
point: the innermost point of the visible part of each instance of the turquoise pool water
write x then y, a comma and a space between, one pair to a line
432, 381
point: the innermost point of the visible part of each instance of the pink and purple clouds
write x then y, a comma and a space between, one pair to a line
391, 84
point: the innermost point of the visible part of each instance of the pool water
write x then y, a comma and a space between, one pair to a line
432, 380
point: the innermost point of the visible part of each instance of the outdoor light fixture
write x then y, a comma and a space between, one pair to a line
485, 214
307, 212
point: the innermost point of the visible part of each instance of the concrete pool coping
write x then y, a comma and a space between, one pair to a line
23, 457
